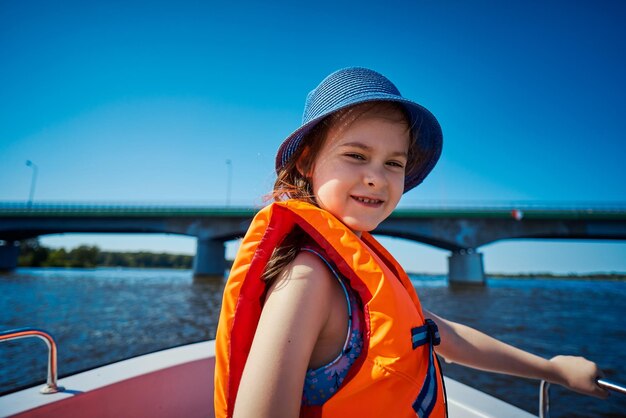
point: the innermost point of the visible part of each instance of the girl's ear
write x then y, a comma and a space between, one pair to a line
302, 164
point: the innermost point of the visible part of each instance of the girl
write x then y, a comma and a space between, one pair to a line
317, 318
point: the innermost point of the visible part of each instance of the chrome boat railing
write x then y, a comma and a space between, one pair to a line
544, 394
17, 334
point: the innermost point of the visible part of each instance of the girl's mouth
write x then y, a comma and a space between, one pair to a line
368, 201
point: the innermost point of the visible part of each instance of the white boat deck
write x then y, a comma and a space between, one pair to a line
179, 382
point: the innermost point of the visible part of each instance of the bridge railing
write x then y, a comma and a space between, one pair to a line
518, 209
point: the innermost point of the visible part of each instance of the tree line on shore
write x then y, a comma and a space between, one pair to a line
32, 254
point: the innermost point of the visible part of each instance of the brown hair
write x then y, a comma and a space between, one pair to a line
292, 180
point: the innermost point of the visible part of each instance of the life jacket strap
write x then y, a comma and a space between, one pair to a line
427, 333
427, 397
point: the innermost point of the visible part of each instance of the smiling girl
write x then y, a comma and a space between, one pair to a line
317, 318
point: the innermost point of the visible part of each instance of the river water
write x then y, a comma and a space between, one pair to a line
99, 316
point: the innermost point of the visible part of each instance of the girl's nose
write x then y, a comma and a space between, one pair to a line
374, 177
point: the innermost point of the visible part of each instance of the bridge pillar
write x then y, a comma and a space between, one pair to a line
9, 253
210, 259
466, 267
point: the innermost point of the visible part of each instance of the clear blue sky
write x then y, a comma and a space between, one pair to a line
145, 101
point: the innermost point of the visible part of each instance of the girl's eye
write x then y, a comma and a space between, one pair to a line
355, 156
395, 164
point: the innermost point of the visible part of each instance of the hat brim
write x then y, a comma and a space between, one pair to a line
426, 131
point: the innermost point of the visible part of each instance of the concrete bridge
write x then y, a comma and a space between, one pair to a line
462, 231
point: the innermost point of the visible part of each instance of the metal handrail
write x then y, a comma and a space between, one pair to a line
544, 394
17, 334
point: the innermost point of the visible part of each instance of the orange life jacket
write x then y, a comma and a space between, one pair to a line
397, 373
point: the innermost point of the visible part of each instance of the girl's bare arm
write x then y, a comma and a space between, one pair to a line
464, 345
295, 311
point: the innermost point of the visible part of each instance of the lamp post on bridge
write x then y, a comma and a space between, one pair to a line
33, 182
229, 165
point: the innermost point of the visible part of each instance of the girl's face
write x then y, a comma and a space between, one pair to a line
358, 174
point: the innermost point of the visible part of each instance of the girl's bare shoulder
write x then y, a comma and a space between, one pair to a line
306, 271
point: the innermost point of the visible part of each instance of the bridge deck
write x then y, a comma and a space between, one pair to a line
13, 209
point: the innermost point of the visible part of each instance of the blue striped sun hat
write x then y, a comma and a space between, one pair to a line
354, 85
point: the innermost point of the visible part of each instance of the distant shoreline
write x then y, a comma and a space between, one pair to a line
544, 275
571, 276
34, 255
496, 276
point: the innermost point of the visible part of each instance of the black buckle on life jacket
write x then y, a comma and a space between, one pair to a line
433, 330
427, 333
